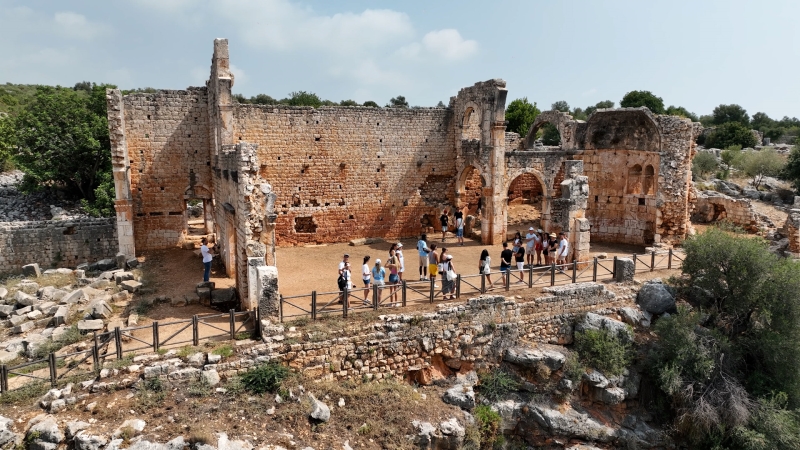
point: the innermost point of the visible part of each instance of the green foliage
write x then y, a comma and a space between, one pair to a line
303, 98
760, 164
520, 115
730, 113
604, 350
62, 139
488, 421
635, 99
398, 102
560, 105
348, 103
104, 195
605, 104
7, 139
496, 384
682, 112
791, 171
573, 369
773, 426
226, 351
371, 104
728, 134
704, 163
14, 97
265, 377
550, 135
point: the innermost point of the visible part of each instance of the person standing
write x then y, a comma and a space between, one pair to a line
539, 246
517, 242
379, 274
505, 261
459, 216
206, 259
423, 250
394, 278
365, 276
443, 219
448, 285
433, 264
530, 243
484, 266
552, 249
519, 257
563, 248
399, 253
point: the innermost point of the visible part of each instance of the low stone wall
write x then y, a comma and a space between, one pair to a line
453, 338
56, 243
792, 230
711, 206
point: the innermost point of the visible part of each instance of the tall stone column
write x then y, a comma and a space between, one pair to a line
496, 208
121, 169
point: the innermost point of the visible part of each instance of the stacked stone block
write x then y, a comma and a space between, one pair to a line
711, 206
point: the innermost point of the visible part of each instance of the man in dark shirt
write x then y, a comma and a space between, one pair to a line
444, 219
505, 261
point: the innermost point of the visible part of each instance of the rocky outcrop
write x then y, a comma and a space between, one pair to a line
656, 298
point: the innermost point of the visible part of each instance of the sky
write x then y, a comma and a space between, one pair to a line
692, 53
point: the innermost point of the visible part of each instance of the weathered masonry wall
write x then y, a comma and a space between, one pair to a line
475, 333
348, 172
56, 243
167, 138
711, 206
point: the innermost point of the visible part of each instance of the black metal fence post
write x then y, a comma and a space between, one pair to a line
507, 279
433, 285
669, 260
458, 286
313, 305
118, 341
195, 330
345, 302
257, 314
51, 361
483, 283
3, 379
375, 298
404, 293
552, 274
96, 351
653, 261
574, 271
594, 270
280, 308
634, 263
232, 321
614, 269
530, 276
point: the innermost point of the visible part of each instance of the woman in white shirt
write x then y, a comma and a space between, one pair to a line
366, 277
206, 259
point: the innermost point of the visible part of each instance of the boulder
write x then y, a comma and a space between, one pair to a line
102, 265
460, 395
452, 434
592, 321
23, 328
119, 277
131, 286
136, 425
5, 358
319, 410
31, 270
636, 317
24, 299
28, 287
3, 293
655, 297
76, 296
85, 441
99, 309
7, 435
5, 311
90, 325
223, 295
530, 357
210, 377
540, 419
426, 434
613, 395
624, 270
61, 315
132, 263
44, 434
595, 379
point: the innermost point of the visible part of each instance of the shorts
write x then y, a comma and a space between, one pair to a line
505, 269
520, 265
433, 269
423, 261
393, 279
444, 228
460, 232
366, 282
378, 283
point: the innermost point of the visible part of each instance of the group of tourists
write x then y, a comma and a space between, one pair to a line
540, 247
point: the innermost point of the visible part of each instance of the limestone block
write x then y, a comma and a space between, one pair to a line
31, 270
90, 325
23, 328
131, 286
119, 277
25, 299
76, 296
624, 270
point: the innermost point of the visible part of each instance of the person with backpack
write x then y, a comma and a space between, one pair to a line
448, 279
343, 281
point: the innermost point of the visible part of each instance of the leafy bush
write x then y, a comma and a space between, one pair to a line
496, 384
704, 163
520, 115
488, 421
635, 99
728, 134
550, 135
103, 203
265, 377
765, 163
604, 350
226, 351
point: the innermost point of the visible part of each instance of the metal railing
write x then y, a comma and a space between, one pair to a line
109, 345
419, 292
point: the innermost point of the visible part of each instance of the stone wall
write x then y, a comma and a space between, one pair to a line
791, 229
712, 206
55, 243
473, 334
351, 171
167, 141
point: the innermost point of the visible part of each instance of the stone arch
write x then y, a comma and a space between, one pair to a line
197, 191
557, 118
547, 195
471, 122
622, 129
469, 188
648, 183
634, 181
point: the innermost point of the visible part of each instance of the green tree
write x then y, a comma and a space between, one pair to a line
86, 86
303, 98
520, 115
682, 112
398, 102
263, 99
635, 99
441, 104
730, 113
7, 137
239, 98
791, 172
550, 135
371, 104
605, 104
104, 195
764, 163
560, 105
728, 134
348, 103
62, 139
704, 163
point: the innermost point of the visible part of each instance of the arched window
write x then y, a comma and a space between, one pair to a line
471, 127
635, 180
649, 183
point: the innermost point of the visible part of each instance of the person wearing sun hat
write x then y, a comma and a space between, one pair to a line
448, 285
552, 248
398, 252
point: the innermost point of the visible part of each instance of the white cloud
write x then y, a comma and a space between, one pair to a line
74, 25
449, 44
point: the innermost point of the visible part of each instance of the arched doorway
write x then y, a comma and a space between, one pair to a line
526, 201
471, 190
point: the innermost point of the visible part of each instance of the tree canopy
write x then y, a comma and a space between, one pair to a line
560, 105
682, 112
520, 115
635, 99
398, 102
729, 134
62, 139
730, 113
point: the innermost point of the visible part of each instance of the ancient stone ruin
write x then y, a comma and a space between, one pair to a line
270, 175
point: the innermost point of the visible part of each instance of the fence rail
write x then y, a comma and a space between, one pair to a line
109, 346
420, 292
